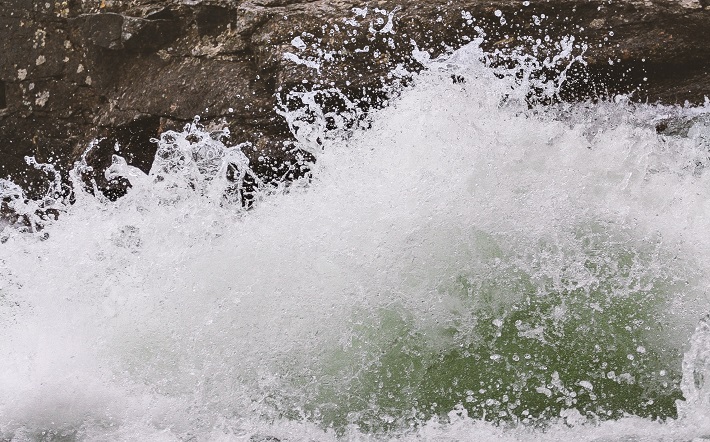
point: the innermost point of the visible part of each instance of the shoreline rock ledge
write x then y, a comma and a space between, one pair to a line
125, 70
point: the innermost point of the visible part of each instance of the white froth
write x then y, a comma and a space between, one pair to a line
173, 313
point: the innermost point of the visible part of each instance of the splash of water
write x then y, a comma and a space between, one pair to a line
696, 369
466, 268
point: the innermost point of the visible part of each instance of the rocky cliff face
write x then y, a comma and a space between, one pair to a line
76, 70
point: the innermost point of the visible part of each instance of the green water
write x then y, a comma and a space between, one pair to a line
521, 345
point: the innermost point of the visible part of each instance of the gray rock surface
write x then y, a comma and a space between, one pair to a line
75, 70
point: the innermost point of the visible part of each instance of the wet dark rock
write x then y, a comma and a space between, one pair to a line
213, 20
117, 31
3, 99
124, 70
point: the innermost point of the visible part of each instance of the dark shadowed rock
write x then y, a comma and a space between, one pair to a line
125, 70
117, 31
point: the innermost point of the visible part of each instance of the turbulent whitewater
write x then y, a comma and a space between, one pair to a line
459, 266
